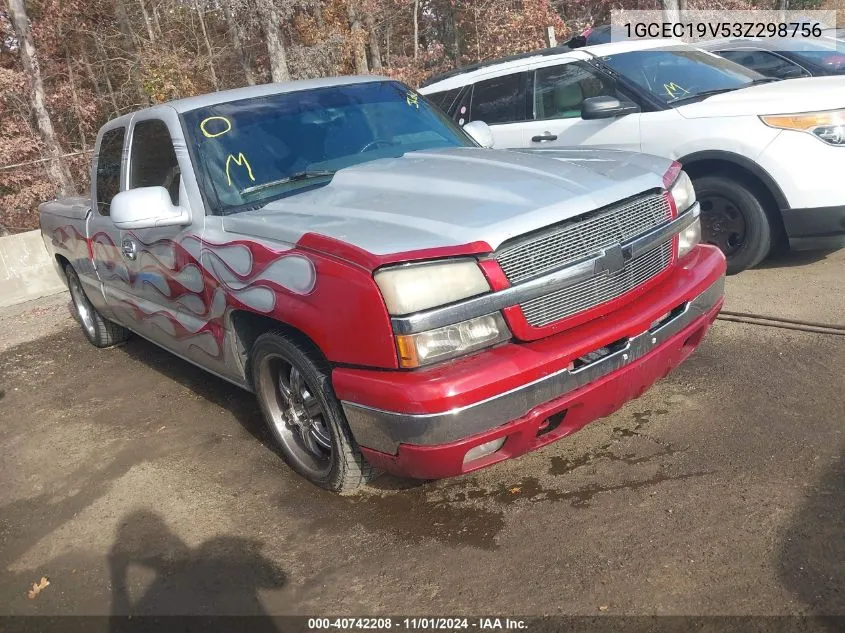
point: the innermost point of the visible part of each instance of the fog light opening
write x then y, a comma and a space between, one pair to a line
483, 450
551, 423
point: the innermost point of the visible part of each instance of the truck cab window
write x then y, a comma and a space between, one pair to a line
152, 161
108, 168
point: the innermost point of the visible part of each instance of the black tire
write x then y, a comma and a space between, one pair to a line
734, 219
97, 329
303, 414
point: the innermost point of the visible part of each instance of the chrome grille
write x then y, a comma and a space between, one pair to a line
596, 290
563, 244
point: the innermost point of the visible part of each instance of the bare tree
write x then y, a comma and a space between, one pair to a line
147, 22
207, 46
671, 11
57, 170
416, 29
375, 41
271, 22
234, 29
358, 47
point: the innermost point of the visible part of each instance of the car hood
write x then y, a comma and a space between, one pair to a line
452, 197
779, 97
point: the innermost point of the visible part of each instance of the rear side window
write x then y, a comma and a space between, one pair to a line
499, 100
559, 91
108, 168
152, 161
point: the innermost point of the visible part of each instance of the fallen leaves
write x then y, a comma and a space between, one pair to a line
515, 490
37, 588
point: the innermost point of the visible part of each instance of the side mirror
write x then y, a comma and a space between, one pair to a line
606, 108
146, 208
481, 133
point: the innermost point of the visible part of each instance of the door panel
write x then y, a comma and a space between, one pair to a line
559, 93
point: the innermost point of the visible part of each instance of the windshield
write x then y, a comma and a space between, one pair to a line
256, 150
680, 74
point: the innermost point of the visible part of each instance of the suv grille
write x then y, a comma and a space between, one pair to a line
553, 248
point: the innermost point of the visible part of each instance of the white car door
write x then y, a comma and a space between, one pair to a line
559, 90
502, 103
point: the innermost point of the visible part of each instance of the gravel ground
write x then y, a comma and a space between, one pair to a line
139, 484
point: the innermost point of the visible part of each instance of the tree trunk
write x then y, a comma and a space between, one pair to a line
375, 42
147, 21
359, 48
387, 41
75, 98
416, 29
783, 5
275, 43
102, 54
156, 20
237, 43
456, 33
57, 170
128, 36
207, 47
671, 11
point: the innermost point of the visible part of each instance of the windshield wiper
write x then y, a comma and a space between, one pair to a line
703, 94
300, 175
717, 91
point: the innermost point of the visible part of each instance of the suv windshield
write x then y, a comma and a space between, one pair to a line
256, 150
681, 74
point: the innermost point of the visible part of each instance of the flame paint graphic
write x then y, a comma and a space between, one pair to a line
184, 288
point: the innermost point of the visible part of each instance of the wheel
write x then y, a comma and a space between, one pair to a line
293, 385
734, 219
97, 329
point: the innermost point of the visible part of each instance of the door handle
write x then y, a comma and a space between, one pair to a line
544, 137
129, 248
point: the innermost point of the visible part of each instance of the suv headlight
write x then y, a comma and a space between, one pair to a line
827, 126
682, 192
412, 288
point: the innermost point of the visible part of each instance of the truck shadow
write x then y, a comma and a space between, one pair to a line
221, 576
241, 404
789, 259
812, 557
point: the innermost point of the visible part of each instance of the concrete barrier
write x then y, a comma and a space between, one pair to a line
26, 271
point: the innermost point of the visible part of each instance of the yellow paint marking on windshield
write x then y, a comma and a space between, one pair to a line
672, 89
239, 160
412, 99
208, 134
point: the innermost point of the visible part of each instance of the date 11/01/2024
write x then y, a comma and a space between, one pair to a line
438, 624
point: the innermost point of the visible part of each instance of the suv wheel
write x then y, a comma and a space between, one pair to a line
734, 219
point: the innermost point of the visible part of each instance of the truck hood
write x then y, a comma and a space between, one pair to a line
453, 197
779, 97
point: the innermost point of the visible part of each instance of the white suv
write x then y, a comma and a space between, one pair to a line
766, 156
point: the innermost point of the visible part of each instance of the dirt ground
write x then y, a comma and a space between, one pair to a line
139, 484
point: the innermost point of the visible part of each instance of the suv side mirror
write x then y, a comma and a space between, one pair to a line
481, 133
146, 208
606, 108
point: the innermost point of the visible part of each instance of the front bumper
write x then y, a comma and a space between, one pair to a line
422, 423
820, 228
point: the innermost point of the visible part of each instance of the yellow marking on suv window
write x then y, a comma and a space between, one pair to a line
241, 160
412, 99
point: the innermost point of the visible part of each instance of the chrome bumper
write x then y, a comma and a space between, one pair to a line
384, 430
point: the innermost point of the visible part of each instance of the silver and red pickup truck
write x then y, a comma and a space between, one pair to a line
399, 296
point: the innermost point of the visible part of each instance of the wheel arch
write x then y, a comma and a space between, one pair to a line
247, 326
719, 162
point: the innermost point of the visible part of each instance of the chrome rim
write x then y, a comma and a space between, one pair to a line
296, 415
722, 224
83, 308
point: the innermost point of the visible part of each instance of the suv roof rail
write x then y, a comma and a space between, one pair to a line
492, 62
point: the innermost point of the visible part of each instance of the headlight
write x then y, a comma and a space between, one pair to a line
416, 350
689, 237
683, 193
411, 288
827, 126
